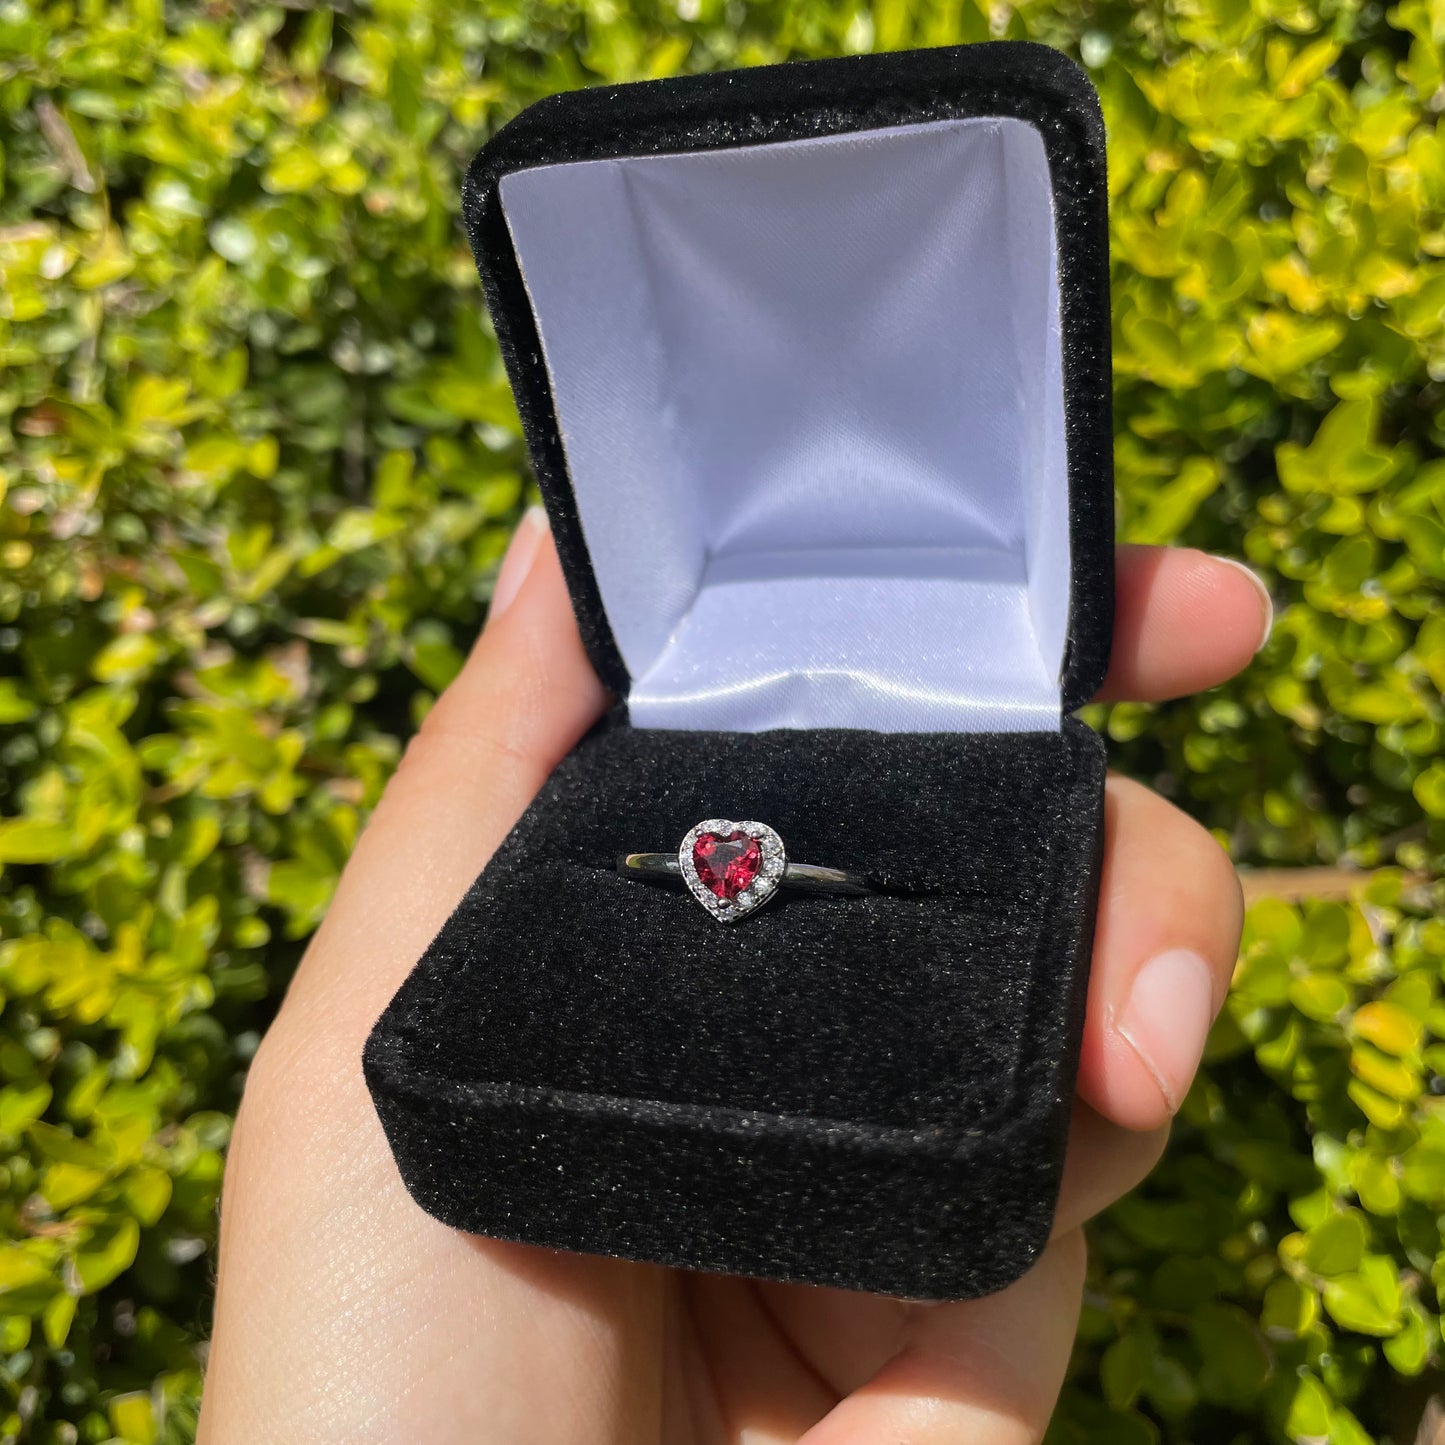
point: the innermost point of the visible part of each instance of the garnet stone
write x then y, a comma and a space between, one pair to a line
731, 868
728, 863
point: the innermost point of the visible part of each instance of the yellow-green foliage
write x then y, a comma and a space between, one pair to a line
260, 461
1280, 1275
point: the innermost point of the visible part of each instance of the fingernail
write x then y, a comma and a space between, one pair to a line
521, 553
1166, 1019
1264, 597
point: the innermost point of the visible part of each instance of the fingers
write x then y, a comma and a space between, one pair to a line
984, 1372
1105, 1161
1169, 920
524, 697
343, 1312
760, 1388
1169, 906
1183, 621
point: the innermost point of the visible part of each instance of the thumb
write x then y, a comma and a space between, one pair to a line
520, 703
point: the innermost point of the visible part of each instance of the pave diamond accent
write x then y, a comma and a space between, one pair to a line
732, 869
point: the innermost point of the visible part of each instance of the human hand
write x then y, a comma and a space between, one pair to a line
346, 1314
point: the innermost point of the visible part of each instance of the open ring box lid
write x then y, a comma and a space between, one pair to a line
813, 362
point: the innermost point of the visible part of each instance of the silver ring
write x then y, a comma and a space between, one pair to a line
732, 869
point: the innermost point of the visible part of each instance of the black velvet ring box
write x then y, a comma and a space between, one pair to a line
813, 362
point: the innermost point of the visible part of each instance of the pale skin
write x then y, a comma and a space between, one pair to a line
345, 1314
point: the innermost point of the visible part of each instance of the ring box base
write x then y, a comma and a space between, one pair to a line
866, 1092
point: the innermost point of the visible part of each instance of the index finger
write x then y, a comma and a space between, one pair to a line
1183, 621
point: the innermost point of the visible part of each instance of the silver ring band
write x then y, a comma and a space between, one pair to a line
796, 877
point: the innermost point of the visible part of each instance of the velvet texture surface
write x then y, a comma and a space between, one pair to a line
870, 1093
866, 1092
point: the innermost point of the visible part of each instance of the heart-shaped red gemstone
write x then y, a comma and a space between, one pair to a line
726, 865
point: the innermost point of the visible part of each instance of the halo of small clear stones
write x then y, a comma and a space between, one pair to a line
775, 862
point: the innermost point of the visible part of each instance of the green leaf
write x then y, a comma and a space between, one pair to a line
436, 662
20, 1107
34, 840
1125, 1368
64, 1147
1377, 1183
128, 658
1310, 1410
16, 705
1321, 996
1388, 1027
357, 528
1283, 344
296, 169
473, 399
64, 1185
20, 1266
1368, 1302
1382, 1110
110, 1252
57, 1318
1326, 937
146, 1193
1346, 1430
1422, 1174
1343, 458
1234, 1363
132, 1419
1336, 1245
1429, 790
1393, 1078
1289, 1308
1429, 649
1408, 1351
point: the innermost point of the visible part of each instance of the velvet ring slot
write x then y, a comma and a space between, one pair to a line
813, 366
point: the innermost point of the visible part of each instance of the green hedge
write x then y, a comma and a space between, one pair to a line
260, 462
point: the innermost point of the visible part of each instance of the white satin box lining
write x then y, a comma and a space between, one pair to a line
810, 395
